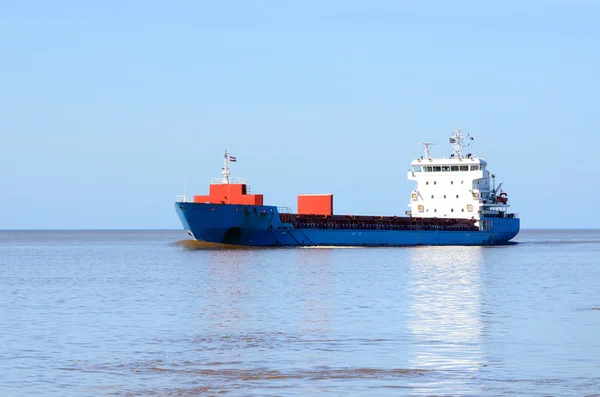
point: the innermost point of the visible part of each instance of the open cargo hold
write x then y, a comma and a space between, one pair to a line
353, 222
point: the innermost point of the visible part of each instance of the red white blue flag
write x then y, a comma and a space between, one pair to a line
232, 159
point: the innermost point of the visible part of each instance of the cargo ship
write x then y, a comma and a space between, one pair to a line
455, 202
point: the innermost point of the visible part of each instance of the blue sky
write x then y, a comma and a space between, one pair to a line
107, 106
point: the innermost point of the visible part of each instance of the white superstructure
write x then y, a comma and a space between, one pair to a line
459, 186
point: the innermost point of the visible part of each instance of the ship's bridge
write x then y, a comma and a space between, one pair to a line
448, 164
458, 186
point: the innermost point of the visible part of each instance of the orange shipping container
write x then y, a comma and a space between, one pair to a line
318, 204
232, 193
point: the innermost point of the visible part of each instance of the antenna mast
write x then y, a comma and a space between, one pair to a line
225, 171
426, 147
457, 141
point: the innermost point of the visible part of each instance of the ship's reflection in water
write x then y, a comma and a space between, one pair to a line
226, 291
242, 293
444, 318
314, 267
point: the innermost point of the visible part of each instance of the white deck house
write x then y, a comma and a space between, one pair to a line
459, 186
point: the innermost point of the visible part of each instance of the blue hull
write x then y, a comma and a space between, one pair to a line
262, 226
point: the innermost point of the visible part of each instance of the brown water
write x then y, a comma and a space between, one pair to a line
136, 314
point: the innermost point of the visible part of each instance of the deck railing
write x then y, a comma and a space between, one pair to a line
235, 180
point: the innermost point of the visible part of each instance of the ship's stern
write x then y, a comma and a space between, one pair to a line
501, 230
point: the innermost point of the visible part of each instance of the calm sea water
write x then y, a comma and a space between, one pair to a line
120, 313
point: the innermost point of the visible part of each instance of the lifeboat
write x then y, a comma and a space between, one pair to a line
502, 198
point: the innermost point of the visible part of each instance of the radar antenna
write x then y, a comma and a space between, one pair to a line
426, 147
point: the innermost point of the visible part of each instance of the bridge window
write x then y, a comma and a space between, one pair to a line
454, 168
437, 168
464, 168
445, 168
428, 168
417, 168
475, 167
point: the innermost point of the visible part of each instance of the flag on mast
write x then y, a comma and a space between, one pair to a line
232, 159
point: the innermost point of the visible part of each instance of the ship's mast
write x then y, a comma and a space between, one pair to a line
457, 141
426, 147
225, 171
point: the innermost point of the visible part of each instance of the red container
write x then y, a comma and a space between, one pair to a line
317, 204
232, 193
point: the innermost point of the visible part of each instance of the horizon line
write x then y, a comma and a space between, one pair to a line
178, 229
